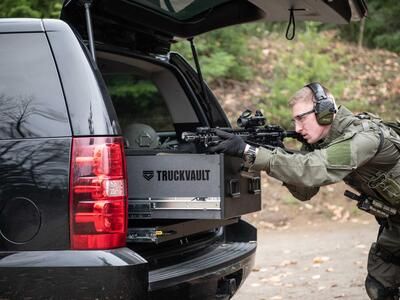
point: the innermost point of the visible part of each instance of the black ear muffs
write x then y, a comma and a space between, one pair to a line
324, 107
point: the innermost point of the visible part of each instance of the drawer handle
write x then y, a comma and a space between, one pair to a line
234, 188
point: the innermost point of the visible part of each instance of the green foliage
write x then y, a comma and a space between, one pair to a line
224, 53
310, 59
30, 8
357, 106
138, 100
382, 26
139, 93
389, 41
140, 89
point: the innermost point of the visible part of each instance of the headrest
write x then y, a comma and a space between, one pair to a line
140, 136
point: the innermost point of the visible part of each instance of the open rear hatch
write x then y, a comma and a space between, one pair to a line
151, 25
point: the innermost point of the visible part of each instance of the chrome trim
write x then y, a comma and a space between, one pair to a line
177, 203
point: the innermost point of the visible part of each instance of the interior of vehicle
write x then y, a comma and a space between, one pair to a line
152, 106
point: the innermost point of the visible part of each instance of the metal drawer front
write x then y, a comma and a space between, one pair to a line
187, 186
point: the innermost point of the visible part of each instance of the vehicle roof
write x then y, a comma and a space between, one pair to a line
21, 25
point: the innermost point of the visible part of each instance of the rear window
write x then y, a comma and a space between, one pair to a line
31, 99
137, 100
152, 107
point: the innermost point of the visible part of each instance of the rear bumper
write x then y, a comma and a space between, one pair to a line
123, 274
108, 274
217, 272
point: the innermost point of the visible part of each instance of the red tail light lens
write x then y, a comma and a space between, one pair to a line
98, 193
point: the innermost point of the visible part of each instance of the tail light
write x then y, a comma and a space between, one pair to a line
98, 193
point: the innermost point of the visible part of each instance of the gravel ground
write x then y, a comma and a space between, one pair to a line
324, 260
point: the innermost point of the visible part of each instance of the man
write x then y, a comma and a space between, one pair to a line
340, 146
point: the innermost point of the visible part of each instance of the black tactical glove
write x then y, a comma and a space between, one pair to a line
231, 145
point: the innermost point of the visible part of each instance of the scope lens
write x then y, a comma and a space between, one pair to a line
246, 113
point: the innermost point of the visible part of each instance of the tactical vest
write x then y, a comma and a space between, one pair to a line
385, 183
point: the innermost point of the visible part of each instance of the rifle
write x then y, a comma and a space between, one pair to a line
372, 206
253, 130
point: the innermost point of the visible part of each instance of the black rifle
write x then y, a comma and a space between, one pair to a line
372, 206
253, 130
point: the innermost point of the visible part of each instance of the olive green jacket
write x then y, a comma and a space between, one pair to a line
353, 151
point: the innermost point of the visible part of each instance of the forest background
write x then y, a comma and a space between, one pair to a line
253, 66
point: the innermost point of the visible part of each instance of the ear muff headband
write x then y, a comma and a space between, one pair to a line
324, 107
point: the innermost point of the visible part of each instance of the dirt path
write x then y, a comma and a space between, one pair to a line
319, 261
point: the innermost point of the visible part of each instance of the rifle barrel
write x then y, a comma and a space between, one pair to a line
268, 135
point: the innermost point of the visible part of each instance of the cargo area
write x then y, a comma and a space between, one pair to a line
176, 189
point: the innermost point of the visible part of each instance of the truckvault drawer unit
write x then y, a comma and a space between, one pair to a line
190, 186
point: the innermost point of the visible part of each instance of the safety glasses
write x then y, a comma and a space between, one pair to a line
301, 117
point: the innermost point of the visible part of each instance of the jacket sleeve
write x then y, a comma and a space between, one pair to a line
319, 167
302, 193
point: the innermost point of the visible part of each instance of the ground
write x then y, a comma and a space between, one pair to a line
319, 261
309, 250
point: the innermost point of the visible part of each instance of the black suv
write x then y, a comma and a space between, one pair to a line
99, 196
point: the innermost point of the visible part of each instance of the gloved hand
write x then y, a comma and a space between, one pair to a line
231, 145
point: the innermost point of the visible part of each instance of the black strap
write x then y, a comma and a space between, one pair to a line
292, 23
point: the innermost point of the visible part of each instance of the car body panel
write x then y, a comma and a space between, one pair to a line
224, 259
89, 105
218, 271
21, 25
102, 274
34, 194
